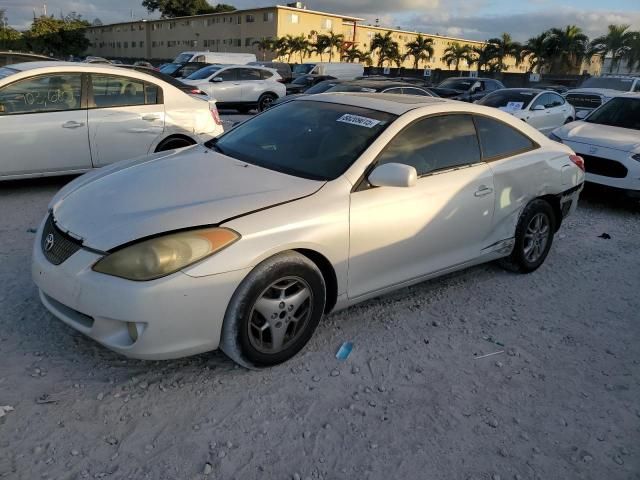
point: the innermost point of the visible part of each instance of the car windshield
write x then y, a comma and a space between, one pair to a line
515, 100
203, 73
303, 68
303, 81
314, 140
5, 72
622, 84
183, 58
321, 87
170, 68
618, 112
457, 84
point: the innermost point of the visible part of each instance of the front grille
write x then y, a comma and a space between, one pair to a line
580, 100
604, 167
56, 245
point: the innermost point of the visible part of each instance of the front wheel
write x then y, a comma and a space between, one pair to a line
534, 236
274, 311
568, 120
265, 101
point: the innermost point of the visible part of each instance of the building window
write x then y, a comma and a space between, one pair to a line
267, 17
238, 42
171, 43
154, 44
140, 26
248, 42
239, 19
126, 44
249, 19
295, 18
327, 24
141, 44
133, 44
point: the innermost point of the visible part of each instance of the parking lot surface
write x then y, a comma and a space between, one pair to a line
417, 397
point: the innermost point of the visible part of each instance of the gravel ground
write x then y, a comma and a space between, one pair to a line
414, 399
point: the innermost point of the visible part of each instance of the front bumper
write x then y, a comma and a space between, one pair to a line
172, 317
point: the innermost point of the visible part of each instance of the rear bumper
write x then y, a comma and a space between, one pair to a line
569, 200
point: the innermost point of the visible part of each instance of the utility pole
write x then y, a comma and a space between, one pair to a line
45, 9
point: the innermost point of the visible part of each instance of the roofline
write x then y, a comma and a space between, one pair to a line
396, 30
234, 12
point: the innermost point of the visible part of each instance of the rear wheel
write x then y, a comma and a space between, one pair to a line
274, 311
568, 120
173, 143
265, 101
534, 236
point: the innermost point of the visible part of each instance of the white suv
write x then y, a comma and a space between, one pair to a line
596, 91
239, 87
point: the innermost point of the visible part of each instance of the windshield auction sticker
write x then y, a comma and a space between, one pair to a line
358, 120
512, 107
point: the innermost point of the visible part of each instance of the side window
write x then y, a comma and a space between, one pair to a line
248, 74
394, 90
414, 91
115, 91
50, 93
228, 75
498, 139
265, 75
434, 143
199, 58
543, 100
556, 100
636, 88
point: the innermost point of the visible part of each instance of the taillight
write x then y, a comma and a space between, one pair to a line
216, 117
196, 91
578, 160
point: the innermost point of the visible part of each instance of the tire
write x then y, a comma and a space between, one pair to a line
265, 101
568, 120
266, 323
527, 255
173, 143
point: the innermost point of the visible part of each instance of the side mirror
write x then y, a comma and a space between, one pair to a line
393, 175
217, 79
537, 108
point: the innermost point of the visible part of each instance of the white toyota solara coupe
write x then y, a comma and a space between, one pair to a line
307, 208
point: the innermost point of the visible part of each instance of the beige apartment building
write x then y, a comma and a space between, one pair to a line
237, 31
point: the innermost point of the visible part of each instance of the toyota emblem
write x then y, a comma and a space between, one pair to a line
48, 242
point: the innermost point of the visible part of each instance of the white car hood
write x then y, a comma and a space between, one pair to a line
615, 138
168, 191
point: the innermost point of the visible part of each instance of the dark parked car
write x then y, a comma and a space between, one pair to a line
190, 89
320, 87
304, 82
283, 69
467, 89
182, 70
561, 89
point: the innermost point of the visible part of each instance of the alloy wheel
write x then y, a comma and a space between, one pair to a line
536, 237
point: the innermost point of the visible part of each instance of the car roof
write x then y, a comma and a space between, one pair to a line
523, 90
379, 84
384, 102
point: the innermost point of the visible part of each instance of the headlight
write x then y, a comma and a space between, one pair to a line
636, 157
555, 138
161, 256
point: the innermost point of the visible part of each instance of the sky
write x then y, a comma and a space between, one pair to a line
472, 19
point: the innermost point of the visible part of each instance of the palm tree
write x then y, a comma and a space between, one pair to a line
633, 55
299, 45
281, 47
385, 45
567, 48
505, 47
483, 56
321, 45
352, 54
617, 43
536, 51
420, 49
455, 52
335, 41
265, 45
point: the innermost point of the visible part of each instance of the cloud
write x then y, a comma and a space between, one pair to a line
521, 25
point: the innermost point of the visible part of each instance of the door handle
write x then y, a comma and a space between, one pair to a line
151, 117
483, 190
72, 124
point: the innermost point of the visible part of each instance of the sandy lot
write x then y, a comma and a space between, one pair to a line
412, 401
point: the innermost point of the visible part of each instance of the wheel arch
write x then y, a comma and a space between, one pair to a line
554, 201
328, 273
174, 136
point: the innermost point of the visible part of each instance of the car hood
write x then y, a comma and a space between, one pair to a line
294, 87
600, 135
168, 191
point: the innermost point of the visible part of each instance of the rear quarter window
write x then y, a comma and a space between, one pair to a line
499, 140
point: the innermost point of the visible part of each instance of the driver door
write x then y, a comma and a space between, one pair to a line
401, 234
